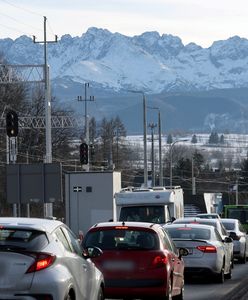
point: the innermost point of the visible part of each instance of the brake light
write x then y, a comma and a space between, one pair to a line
207, 249
42, 261
159, 261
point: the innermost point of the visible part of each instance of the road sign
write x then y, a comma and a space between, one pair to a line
77, 189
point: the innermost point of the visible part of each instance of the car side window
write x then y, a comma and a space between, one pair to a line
73, 241
241, 228
167, 242
61, 237
218, 236
223, 230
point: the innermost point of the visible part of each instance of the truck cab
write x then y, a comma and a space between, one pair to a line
157, 205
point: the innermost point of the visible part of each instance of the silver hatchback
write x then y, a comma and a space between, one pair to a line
207, 254
41, 259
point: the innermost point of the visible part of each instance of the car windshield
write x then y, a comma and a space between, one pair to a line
148, 213
189, 233
23, 238
122, 239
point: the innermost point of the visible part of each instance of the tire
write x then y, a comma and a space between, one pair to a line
229, 275
242, 260
220, 278
232, 264
100, 295
68, 297
169, 291
180, 296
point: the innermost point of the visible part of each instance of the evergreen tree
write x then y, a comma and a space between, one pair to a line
222, 139
169, 139
194, 139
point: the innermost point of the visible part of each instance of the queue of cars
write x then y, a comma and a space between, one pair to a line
42, 259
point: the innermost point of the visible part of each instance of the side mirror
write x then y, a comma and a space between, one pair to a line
232, 234
183, 252
92, 252
228, 239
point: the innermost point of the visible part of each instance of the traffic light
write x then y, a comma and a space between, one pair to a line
84, 154
11, 123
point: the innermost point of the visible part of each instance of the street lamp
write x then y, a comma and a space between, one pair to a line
159, 146
145, 135
171, 148
152, 126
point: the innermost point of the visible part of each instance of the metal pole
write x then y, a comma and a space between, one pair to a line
47, 101
86, 85
193, 177
144, 136
152, 126
171, 148
237, 191
160, 150
145, 141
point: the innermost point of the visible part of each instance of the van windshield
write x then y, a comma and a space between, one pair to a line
150, 213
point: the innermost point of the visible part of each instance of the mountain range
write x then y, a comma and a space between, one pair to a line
196, 89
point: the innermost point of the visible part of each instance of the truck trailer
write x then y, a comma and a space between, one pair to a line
157, 205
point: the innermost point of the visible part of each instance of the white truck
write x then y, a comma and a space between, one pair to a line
157, 204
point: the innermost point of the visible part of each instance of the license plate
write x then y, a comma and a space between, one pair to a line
118, 265
190, 251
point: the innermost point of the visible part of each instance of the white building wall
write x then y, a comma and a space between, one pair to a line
89, 198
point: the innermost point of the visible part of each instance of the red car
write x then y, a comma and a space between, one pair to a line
139, 260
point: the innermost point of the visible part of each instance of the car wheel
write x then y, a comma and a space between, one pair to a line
242, 260
229, 274
68, 297
180, 296
232, 262
169, 291
100, 295
220, 278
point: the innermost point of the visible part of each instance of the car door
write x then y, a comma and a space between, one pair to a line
244, 237
89, 269
177, 263
227, 243
227, 250
74, 262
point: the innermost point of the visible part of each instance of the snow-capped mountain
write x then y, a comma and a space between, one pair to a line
149, 62
195, 88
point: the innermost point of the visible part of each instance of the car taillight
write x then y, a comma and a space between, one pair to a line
159, 261
207, 249
42, 261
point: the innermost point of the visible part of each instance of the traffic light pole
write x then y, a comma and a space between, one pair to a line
86, 122
48, 207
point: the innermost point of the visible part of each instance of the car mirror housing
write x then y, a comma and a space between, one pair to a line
183, 252
228, 239
92, 252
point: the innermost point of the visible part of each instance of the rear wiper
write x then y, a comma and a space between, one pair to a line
11, 248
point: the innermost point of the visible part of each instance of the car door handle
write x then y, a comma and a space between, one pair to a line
85, 267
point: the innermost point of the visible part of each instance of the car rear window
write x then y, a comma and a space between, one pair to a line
228, 225
23, 238
122, 239
189, 233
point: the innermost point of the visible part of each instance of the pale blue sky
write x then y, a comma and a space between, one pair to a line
199, 21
